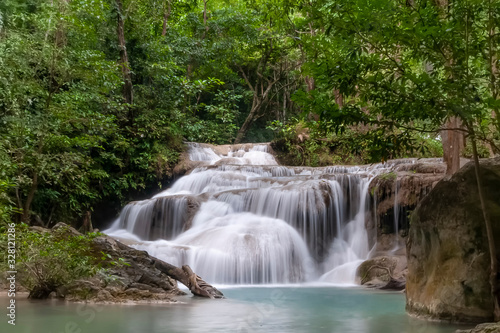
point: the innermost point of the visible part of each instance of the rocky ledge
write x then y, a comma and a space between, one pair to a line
132, 276
137, 280
394, 195
399, 191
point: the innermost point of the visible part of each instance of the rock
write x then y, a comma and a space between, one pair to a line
104, 296
483, 328
448, 256
385, 272
80, 290
390, 245
38, 229
70, 230
142, 286
128, 274
395, 284
135, 293
403, 188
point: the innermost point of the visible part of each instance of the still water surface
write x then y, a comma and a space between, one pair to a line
246, 309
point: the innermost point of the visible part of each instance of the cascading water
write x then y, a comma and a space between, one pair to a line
240, 218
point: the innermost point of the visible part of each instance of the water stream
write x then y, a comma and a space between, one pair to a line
240, 218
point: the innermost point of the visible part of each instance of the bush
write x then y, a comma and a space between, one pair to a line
49, 259
316, 143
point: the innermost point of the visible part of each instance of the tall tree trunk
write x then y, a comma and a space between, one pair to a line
128, 90
453, 142
205, 19
451, 137
166, 15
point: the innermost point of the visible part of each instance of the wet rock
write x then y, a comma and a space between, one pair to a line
448, 255
399, 192
483, 328
155, 218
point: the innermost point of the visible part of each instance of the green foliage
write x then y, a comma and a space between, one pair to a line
69, 141
401, 69
316, 143
388, 176
48, 260
378, 77
7, 207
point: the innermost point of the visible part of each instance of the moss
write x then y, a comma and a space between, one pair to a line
388, 176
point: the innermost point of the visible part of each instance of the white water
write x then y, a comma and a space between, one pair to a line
240, 218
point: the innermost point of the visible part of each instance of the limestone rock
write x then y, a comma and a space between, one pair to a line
384, 272
483, 328
403, 187
448, 256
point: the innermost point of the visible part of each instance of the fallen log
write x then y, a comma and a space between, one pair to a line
187, 277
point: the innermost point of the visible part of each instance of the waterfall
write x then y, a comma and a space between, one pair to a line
240, 218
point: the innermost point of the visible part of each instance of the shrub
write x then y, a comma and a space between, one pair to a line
47, 260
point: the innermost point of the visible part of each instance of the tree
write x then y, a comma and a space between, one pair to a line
128, 89
412, 67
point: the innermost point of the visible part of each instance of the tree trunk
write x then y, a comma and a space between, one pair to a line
41, 292
489, 233
29, 199
87, 222
128, 91
453, 142
188, 278
310, 83
248, 122
492, 64
205, 19
339, 99
166, 16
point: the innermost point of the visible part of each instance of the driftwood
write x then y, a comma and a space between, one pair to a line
187, 277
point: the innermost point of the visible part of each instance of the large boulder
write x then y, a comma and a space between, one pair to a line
447, 248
